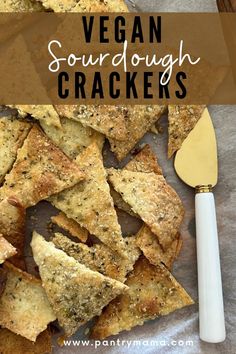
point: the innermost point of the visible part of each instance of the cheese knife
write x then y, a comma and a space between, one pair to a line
196, 164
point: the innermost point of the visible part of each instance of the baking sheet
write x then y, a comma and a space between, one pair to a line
183, 324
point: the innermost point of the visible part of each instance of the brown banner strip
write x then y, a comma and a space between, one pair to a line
112, 58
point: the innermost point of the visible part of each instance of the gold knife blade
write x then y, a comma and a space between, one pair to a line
196, 161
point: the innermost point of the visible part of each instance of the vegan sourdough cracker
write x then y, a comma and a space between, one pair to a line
107, 120
72, 138
151, 248
40, 170
24, 307
139, 119
75, 292
152, 292
144, 161
90, 203
152, 199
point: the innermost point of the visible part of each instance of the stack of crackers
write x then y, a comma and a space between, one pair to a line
54, 153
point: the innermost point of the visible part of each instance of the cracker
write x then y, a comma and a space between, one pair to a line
99, 257
139, 120
24, 307
151, 248
73, 138
6, 249
12, 225
40, 170
71, 226
90, 203
46, 113
144, 161
182, 119
20, 6
107, 120
75, 292
157, 204
85, 5
153, 292
13, 343
12, 135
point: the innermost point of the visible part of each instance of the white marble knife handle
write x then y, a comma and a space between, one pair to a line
211, 307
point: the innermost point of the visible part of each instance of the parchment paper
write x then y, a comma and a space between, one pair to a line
183, 324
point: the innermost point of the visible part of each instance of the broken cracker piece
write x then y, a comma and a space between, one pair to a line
90, 203
71, 226
99, 257
107, 120
24, 307
182, 119
6, 249
73, 137
152, 199
139, 120
152, 250
75, 292
152, 292
12, 135
40, 170
13, 343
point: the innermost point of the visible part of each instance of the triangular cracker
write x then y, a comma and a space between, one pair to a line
71, 226
182, 119
28, 312
85, 5
107, 120
73, 137
40, 170
139, 120
13, 343
6, 249
12, 134
99, 257
75, 292
152, 199
153, 292
46, 113
151, 248
90, 203
144, 161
